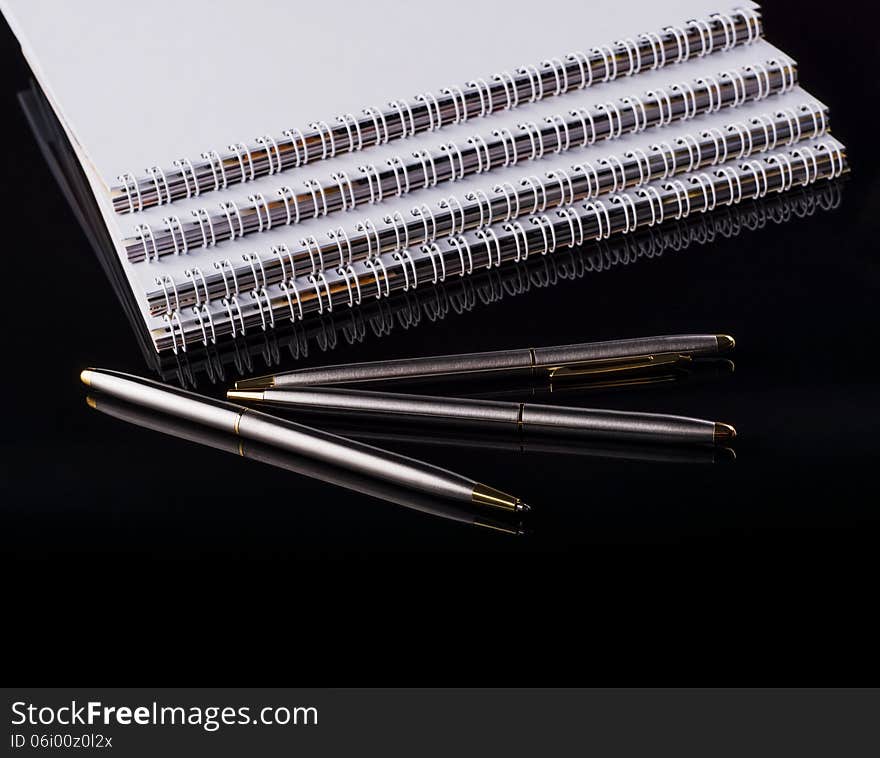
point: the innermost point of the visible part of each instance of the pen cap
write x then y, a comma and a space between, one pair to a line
594, 351
618, 425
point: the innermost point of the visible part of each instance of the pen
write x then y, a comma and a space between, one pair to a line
643, 353
299, 439
296, 464
525, 417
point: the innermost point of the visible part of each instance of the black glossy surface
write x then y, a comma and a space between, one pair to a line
800, 297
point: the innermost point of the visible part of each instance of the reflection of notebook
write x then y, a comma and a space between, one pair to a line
492, 169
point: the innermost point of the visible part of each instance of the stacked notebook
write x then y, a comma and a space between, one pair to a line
530, 134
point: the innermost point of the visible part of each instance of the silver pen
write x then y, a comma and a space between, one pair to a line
298, 464
297, 438
590, 423
589, 358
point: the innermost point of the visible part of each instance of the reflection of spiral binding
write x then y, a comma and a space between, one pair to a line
456, 296
558, 133
429, 111
533, 194
468, 252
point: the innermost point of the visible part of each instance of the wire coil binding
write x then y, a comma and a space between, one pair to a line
622, 213
449, 162
587, 180
268, 155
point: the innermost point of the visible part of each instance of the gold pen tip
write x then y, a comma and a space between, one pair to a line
91, 402
85, 377
255, 383
244, 395
484, 495
723, 433
725, 342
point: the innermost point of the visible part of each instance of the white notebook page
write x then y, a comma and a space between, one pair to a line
140, 84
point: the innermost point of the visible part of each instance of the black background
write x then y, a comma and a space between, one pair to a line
128, 545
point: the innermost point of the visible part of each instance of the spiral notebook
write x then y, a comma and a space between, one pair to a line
262, 352
597, 120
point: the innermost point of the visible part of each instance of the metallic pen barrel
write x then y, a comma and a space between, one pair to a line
298, 464
582, 422
471, 365
690, 344
508, 362
296, 438
619, 425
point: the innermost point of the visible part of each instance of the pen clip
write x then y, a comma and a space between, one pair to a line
615, 366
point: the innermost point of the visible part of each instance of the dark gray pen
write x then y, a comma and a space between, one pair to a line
581, 359
299, 439
590, 423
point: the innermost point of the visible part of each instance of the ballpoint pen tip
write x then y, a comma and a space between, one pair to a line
91, 402
482, 494
523, 507
723, 433
85, 377
725, 342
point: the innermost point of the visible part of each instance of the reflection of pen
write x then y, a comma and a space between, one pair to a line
540, 445
590, 358
295, 463
591, 423
684, 372
299, 439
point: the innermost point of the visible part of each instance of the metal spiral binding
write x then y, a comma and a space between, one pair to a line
156, 173
558, 133
378, 318
348, 118
144, 233
129, 189
622, 213
460, 295
187, 172
583, 181
172, 224
427, 111
372, 174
